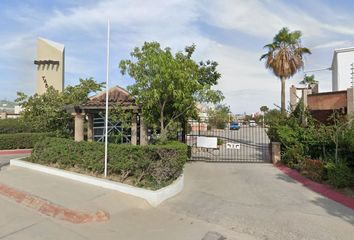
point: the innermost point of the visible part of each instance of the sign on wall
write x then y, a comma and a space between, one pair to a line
207, 142
236, 146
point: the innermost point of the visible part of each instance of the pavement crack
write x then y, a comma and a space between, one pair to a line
19, 230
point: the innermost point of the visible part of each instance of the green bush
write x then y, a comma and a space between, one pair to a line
14, 126
339, 174
152, 166
313, 169
21, 140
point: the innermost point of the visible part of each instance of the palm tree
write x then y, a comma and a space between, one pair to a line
285, 57
308, 80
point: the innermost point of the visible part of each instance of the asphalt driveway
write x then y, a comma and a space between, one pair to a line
238, 201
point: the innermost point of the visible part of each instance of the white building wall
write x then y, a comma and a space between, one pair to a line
341, 75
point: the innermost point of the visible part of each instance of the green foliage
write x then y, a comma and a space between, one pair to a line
219, 116
152, 166
339, 174
308, 80
46, 112
314, 169
14, 126
169, 85
264, 109
298, 141
21, 140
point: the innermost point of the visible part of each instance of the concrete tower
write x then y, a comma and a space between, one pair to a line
50, 65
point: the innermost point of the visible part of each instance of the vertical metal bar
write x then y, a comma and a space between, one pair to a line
107, 93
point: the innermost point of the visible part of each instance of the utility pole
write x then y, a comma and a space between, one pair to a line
352, 74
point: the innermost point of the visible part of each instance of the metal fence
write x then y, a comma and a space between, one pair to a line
248, 144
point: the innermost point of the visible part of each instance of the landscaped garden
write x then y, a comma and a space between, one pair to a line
167, 89
321, 152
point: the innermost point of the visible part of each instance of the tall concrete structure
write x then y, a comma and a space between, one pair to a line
341, 68
50, 65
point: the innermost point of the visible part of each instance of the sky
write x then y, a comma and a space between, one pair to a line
231, 32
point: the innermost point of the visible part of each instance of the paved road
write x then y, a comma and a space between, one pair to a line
239, 201
253, 141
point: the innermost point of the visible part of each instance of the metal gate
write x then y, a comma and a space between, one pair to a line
247, 144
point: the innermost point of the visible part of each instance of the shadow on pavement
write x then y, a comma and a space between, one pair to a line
335, 209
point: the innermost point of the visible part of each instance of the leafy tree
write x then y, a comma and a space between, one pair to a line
264, 109
285, 57
168, 85
219, 116
308, 80
46, 112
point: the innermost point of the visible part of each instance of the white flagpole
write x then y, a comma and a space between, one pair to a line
106, 117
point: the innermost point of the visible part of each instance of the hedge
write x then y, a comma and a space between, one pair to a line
21, 140
14, 126
152, 166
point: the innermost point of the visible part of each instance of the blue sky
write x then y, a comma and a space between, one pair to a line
231, 32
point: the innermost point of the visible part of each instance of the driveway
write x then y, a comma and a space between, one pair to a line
238, 201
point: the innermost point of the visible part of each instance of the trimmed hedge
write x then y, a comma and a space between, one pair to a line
21, 140
14, 126
339, 174
152, 166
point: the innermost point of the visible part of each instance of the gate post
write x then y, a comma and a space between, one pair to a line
276, 154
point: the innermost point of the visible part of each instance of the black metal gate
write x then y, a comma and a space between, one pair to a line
247, 144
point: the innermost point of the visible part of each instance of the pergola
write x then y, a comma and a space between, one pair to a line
96, 104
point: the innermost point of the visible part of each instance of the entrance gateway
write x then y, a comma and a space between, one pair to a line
249, 144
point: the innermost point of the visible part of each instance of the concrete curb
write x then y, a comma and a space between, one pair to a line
51, 209
322, 189
15, 151
154, 198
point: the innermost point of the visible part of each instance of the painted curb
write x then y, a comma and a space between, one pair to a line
322, 189
154, 198
51, 209
15, 151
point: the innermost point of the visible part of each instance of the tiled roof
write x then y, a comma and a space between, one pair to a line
116, 95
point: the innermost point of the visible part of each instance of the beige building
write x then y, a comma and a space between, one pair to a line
50, 65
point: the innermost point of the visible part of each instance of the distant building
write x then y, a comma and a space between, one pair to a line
50, 65
341, 68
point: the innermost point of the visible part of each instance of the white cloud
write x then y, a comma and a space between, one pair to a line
245, 81
333, 44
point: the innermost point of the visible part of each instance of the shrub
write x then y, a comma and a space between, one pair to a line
339, 174
21, 140
152, 166
313, 169
14, 126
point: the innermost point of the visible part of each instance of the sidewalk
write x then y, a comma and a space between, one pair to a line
239, 201
130, 217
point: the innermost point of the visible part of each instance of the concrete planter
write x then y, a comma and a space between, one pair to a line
154, 198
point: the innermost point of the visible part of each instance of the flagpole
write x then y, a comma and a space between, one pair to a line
107, 96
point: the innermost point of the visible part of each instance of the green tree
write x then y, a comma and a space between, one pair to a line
285, 57
219, 116
46, 112
264, 109
308, 80
168, 85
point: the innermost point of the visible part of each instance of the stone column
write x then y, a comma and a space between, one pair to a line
293, 98
143, 132
79, 127
90, 127
3, 115
350, 101
276, 153
134, 130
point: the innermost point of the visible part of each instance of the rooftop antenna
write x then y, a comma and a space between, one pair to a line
352, 73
